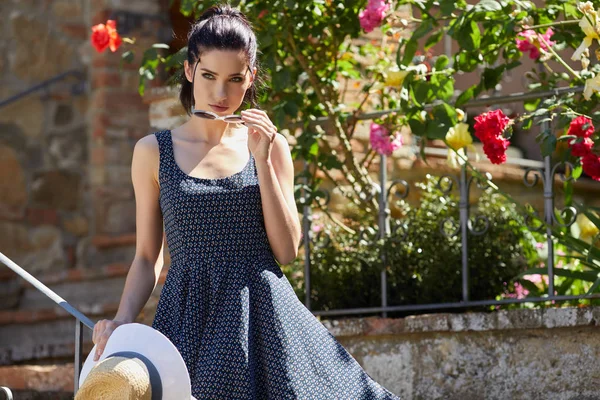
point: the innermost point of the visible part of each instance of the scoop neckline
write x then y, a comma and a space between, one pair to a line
182, 172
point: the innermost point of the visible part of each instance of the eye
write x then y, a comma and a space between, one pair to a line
237, 79
207, 75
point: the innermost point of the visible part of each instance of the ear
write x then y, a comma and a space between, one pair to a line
187, 67
254, 70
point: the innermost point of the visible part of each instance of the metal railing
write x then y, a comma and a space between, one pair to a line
77, 88
80, 319
7, 393
544, 170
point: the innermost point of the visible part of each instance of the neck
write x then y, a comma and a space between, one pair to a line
205, 130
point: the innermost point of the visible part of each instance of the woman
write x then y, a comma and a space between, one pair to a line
224, 190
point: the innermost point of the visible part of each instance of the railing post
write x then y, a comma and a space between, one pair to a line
463, 206
78, 354
383, 228
306, 238
7, 392
548, 216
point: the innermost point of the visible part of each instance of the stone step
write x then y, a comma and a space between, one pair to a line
49, 335
77, 286
39, 382
39, 330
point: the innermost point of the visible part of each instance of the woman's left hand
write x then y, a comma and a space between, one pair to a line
261, 133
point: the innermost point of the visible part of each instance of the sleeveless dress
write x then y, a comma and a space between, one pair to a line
227, 306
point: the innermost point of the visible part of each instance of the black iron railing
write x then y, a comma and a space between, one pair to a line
78, 87
80, 319
534, 171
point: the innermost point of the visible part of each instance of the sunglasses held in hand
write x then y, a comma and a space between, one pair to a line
232, 119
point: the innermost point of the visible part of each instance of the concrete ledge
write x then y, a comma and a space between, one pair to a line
474, 322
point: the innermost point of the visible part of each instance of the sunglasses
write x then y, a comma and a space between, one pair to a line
232, 119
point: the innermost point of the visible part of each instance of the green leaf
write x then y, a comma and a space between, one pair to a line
594, 287
465, 96
577, 172
531, 105
447, 7
127, 56
469, 36
444, 117
314, 149
488, 5
422, 91
441, 62
422, 30
548, 145
409, 52
433, 39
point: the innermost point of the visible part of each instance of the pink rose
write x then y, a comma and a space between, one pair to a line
382, 141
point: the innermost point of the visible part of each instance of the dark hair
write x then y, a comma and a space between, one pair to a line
225, 28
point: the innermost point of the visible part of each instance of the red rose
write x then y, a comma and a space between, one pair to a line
591, 166
581, 127
489, 128
495, 149
582, 148
100, 37
492, 123
104, 36
115, 39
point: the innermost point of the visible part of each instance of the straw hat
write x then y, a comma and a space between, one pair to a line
118, 377
138, 363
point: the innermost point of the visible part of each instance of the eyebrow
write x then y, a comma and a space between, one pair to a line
214, 73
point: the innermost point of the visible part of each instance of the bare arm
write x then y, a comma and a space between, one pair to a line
276, 176
148, 260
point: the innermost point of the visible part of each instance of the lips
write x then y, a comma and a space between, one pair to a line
218, 108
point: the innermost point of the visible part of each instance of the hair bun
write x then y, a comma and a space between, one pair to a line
221, 10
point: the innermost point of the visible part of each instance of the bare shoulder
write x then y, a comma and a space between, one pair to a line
281, 156
147, 144
281, 145
146, 156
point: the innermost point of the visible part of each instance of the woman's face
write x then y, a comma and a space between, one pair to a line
220, 81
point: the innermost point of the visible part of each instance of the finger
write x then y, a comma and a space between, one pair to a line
102, 343
98, 328
256, 112
259, 123
262, 131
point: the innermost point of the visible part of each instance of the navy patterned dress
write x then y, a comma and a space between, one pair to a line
227, 306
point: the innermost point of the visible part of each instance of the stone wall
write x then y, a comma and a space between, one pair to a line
65, 151
44, 213
551, 354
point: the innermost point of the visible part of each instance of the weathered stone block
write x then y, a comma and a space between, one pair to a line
13, 189
56, 189
38, 55
26, 113
68, 150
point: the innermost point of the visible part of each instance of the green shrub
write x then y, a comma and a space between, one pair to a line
423, 265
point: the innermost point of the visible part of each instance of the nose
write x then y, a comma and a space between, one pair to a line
220, 93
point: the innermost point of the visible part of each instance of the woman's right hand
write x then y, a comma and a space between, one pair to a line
102, 331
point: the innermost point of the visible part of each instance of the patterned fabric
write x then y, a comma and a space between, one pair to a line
228, 307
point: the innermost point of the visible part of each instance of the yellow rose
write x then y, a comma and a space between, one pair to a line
592, 85
459, 136
395, 77
588, 229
